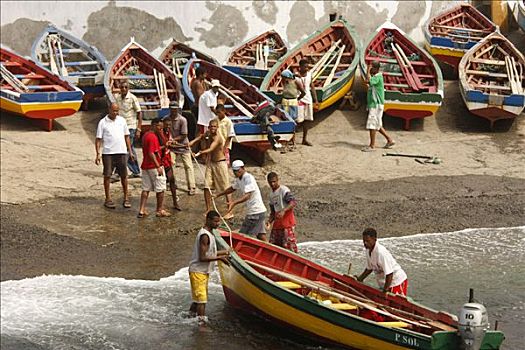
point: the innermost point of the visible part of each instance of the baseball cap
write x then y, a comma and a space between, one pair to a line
237, 164
215, 83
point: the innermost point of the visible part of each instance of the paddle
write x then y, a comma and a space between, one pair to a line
259, 63
63, 69
327, 290
266, 50
13, 80
331, 76
52, 62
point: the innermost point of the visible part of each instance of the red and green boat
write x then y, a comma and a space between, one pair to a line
301, 295
334, 52
413, 79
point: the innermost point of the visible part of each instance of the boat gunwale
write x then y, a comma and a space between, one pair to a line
253, 40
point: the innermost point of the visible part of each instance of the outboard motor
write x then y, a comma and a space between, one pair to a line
472, 324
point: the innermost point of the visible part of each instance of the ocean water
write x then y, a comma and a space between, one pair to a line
81, 312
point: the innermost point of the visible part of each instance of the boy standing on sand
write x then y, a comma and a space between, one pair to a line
282, 218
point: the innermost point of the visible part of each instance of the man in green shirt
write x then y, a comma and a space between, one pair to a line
376, 104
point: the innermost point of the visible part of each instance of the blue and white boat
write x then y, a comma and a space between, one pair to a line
71, 58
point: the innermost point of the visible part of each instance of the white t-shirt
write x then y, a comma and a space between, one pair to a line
112, 133
207, 100
203, 266
307, 80
383, 263
247, 184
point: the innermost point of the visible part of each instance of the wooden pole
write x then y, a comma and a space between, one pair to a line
336, 64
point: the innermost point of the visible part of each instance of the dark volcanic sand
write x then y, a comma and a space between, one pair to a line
79, 236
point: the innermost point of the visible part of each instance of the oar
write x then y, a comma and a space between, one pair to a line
406, 71
235, 100
325, 57
157, 86
266, 50
13, 80
52, 62
63, 69
331, 76
259, 63
327, 291
327, 63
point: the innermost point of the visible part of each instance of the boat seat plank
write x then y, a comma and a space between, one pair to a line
43, 87
481, 60
396, 74
149, 103
11, 64
72, 51
289, 284
394, 61
487, 74
488, 30
343, 306
397, 85
394, 324
30, 76
322, 54
495, 87
86, 73
138, 76
79, 63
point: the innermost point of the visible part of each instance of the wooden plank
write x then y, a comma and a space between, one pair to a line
397, 85
11, 64
396, 74
486, 74
484, 61
392, 60
139, 76
322, 54
495, 87
79, 63
72, 51
464, 36
30, 76
461, 28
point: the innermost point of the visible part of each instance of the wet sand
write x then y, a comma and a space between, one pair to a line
53, 221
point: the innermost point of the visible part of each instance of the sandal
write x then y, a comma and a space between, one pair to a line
109, 204
389, 145
177, 208
163, 214
367, 149
191, 192
141, 215
126, 204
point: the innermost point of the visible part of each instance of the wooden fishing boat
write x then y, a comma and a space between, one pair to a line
521, 14
177, 54
413, 79
452, 33
334, 51
253, 59
492, 80
33, 92
298, 294
149, 79
72, 59
243, 99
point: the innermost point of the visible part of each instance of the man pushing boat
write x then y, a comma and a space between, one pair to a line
390, 276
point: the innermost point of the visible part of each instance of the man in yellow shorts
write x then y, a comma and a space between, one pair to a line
202, 263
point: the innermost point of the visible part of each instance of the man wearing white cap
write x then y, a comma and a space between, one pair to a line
207, 104
254, 221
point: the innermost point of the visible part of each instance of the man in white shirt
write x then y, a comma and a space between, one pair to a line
254, 221
130, 110
207, 104
113, 132
390, 276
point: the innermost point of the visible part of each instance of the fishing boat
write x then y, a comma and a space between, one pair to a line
451, 34
34, 92
492, 80
334, 52
521, 14
72, 59
244, 98
300, 295
149, 79
253, 59
412, 78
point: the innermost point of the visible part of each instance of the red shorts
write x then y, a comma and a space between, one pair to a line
400, 289
284, 237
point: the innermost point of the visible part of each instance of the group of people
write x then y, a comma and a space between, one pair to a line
168, 140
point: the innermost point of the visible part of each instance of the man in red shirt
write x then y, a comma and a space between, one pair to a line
153, 177
282, 204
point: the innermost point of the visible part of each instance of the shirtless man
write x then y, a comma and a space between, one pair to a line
198, 87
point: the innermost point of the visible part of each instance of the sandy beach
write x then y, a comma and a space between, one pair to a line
53, 221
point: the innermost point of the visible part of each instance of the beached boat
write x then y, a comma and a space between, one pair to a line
413, 79
334, 52
72, 59
521, 14
33, 92
253, 59
300, 295
452, 33
149, 79
492, 80
177, 54
242, 100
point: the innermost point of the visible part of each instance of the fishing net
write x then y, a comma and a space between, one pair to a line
138, 83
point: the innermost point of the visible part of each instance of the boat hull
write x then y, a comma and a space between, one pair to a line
408, 105
252, 75
249, 291
521, 14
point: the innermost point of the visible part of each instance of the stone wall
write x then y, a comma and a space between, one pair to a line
214, 27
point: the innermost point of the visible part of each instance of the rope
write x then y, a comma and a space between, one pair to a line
212, 199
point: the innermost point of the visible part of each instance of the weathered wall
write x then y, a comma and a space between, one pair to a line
214, 27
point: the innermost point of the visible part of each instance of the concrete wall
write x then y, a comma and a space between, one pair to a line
214, 27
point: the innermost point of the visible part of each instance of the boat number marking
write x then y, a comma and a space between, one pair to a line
405, 339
